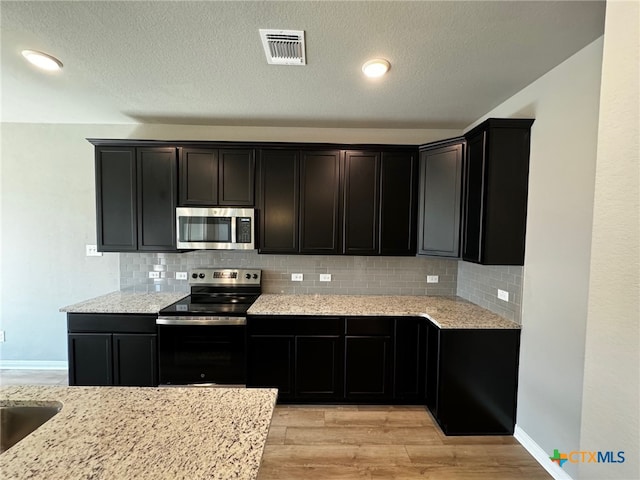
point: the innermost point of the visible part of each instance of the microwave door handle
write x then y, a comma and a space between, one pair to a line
233, 222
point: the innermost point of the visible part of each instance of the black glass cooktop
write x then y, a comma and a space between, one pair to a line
230, 305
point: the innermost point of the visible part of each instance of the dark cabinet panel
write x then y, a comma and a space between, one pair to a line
157, 175
319, 202
116, 199
270, 363
198, 169
432, 367
409, 356
360, 218
368, 368
318, 367
112, 349
398, 199
236, 177
497, 177
90, 359
135, 360
440, 199
279, 172
474, 391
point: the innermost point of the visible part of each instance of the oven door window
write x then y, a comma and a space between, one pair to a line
205, 229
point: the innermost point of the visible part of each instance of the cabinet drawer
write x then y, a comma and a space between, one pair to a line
369, 326
277, 325
110, 323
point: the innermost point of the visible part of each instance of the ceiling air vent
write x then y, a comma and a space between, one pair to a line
283, 47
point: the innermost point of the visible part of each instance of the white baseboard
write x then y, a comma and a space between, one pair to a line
34, 365
540, 455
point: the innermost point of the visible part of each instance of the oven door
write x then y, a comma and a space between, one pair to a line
215, 228
201, 353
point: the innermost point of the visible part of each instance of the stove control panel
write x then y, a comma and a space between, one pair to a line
225, 276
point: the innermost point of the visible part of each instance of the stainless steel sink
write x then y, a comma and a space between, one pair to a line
18, 421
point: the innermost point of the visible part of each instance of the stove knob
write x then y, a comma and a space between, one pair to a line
255, 275
247, 276
201, 275
194, 275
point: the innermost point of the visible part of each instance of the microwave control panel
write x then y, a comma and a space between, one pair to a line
243, 230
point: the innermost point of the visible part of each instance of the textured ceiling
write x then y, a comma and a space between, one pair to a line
202, 62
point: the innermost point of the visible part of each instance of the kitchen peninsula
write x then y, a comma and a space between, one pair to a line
142, 433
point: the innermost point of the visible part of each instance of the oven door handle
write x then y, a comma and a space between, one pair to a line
203, 321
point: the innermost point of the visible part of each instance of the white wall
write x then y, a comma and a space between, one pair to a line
48, 215
611, 402
565, 104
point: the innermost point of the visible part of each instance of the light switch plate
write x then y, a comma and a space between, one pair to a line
296, 277
325, 277
503, 295
432, 279
2, 336
92, 251
181, 275
154, 274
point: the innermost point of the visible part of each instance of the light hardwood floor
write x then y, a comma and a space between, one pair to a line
364, 442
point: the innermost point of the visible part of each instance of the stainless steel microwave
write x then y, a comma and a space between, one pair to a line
215, 228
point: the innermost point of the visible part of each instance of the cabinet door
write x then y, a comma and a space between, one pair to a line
319, 202
318, 367
409, 359
398, 197
198, 172
361, 199
90, 359
368, 368
270, 363
432, 367
135, 360
278, 185
474, 183
236, 177
157, 199
440, 201
116, 199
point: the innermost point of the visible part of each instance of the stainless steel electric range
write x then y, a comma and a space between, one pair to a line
201, 338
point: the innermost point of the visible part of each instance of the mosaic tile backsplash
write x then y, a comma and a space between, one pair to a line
351, 275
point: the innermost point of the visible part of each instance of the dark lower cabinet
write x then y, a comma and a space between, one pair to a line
318, 367
270, 363
368, 363
472, 380
409, 365
106, 349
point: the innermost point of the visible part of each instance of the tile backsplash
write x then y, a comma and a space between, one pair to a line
351, 275
479, 284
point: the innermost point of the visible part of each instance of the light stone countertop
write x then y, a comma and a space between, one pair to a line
444, 312
142, 433
126, 302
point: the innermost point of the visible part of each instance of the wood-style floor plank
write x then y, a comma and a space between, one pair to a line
357, 435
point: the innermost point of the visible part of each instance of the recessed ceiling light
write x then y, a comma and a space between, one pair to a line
42, 60
376, 67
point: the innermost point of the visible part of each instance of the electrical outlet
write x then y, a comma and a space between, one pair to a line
296, 277
503, 295
92, 251
154, 274
325, 277
433, 279
181, 275
2, 338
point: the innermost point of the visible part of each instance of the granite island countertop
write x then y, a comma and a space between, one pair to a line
126, 302
142, 433
444, 312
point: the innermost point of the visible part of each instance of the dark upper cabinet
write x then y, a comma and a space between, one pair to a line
320, 202
116, 217
440, 201
198, 169
157, 177
278, 186
398, 201
361, 194
216, 177
496, 181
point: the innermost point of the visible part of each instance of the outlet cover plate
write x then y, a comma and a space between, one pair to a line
154, 274
296, 277
2, 338
92, 251
503, 295
325, 277
181, 275
433, 279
